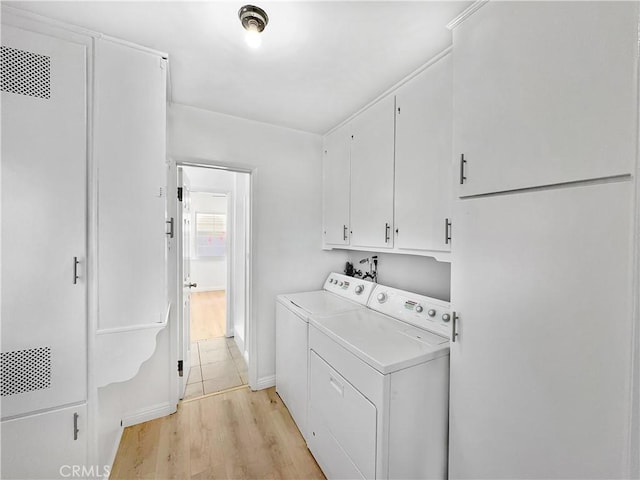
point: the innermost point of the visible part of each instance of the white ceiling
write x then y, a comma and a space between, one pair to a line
319, 61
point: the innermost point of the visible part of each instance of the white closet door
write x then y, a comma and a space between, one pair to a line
540, 370
545, 93
129, 146
372, 164
423, 189
43, 222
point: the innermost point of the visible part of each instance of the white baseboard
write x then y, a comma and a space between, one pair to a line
151, 413
266, 382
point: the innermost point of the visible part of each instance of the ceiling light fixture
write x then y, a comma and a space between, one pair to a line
253, 19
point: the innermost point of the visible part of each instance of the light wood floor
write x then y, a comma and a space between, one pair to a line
237, 434
208, 315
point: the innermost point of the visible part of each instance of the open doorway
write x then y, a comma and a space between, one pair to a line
213, 270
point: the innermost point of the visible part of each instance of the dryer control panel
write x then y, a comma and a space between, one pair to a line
355, 289
418, 310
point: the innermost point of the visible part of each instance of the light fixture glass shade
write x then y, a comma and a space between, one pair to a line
252, 37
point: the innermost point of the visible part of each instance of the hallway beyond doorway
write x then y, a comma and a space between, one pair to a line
208, 315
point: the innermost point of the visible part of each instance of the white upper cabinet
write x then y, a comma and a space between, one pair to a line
129, 150
336, 177
544, 93
372, 170
423, 167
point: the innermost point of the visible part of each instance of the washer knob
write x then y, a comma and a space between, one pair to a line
419, 308
382, 297
341, 283
446, 317
359, 289
431, 312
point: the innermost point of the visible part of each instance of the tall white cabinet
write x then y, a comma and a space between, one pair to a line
83, 235
44, 253
545, 106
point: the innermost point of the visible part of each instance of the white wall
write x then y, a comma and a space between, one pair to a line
209, 273
287, 212
239, 274
423, 275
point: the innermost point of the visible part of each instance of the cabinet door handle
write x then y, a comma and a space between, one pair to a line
170, 223
462, 164
447, 231
75, 426
387, 228
75, 270
454, 327
344, 232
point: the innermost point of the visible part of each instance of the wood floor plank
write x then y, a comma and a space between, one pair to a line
208, 315
238, 434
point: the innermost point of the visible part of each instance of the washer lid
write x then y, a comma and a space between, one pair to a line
385, 344
321, 303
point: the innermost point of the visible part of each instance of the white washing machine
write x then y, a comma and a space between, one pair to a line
379, 388
340, 294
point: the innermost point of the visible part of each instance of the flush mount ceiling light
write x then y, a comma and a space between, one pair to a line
253, 19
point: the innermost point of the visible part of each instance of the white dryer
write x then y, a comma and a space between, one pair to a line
378, 388
340, 294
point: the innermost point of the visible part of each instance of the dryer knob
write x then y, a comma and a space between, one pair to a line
431, 312
382, 297
359, 289
446, 317
419, 308
341, 283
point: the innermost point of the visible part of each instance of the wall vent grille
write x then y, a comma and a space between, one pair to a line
25, 73
25, 370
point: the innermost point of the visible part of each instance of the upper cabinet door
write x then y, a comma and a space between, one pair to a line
130, 157
336, 175
423, 190
372, 170
544, 93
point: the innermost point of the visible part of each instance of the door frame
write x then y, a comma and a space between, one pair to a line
250, 344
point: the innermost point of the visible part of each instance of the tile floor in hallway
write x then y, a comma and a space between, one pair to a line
216, 364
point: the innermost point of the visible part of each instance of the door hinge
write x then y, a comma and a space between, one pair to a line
179, 194
180, 368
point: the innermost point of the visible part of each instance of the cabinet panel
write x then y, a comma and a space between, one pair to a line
47, 445
336, 179
372, 164
291, 364
423, 188
545, 93
44, 356
129, 146
540, 370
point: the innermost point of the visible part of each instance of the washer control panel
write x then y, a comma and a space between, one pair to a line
418, 310
355, 289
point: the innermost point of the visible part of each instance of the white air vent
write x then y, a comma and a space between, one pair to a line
26, 370
26, 73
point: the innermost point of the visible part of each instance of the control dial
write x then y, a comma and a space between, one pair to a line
382, 297
341, 283
431, 312
419, 308
359, 289
446, 317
